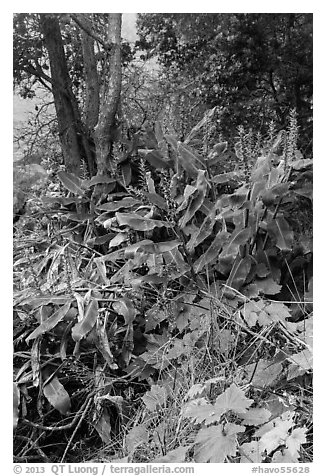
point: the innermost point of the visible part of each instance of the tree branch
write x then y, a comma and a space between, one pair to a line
80, 21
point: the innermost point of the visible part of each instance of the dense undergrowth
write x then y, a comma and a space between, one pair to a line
169, 320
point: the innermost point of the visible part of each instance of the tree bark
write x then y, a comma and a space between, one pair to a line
105, 129
92, 106
64, 100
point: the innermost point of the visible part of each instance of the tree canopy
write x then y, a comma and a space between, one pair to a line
254, 67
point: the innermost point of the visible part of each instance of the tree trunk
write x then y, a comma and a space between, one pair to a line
64, 100
92, 95
105, 129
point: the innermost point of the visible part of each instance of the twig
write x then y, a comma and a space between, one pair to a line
62, 427
75, 430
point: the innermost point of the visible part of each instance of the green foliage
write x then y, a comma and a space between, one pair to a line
254, 67
118, 296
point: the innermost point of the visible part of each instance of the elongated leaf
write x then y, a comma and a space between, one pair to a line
237, 239
189, 160
138, 247
71, 182
36, 361
203, 232
214, 249
56, 394
47, 299
101, 179
224, 178
281, 233
196, 199
239, 272
62, 200
118, 239
127, 202
208, 115
51, 322
172, 140
163, 246
232, 248
103, 427
16, 403
156, 159
87, 323
100, 240
126, 308
139, 223
149, 246
157, 200
103, 344
175, 258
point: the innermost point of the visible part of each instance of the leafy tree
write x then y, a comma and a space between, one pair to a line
78, 58
254, 67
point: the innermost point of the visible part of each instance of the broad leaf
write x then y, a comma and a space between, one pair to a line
177, 455
300, 363
263, 374
251, 310
71, 182
255, 416
277, 311
155, 398
232, 399
251, 452
284, 456
275, 433
295, 440
136, 437
214, 444
268, 285
51, 322
280, 233
87, 323
55, 393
